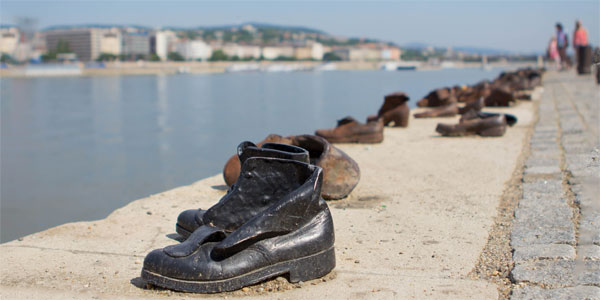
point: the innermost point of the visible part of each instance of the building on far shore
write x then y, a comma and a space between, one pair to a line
84, 42
368, 52
10, 37
273, 52
309, 50
194, 49
111, 42
162, 43
391, 53
136, 44
242, 51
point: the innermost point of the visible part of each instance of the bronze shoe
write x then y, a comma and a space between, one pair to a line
449, 110
439, 97
472, 115
476, 106
340, 172
394, 109
501, 95
349, 130
233, 166
491, 126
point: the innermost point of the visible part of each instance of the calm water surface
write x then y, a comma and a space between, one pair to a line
77, 148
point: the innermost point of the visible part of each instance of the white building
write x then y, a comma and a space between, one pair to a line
241, 51
275, 52
163, 43
194, 49
9, 40
111, 42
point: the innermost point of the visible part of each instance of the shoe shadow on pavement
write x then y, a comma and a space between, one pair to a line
176, 237
138, 282
220, 187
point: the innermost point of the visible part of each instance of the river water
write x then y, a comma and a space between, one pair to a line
76, 148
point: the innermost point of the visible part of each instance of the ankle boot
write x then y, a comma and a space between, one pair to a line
341, 172
273, 222
439, 97
349, 130
449, 110
232, 167
189, 220
394, 109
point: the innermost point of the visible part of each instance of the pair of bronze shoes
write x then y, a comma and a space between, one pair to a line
272, 222
340, 172
394, 111
478, 123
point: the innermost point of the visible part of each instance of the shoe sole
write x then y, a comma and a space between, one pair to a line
182, 232
299, 269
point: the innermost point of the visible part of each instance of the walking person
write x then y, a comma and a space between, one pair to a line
553, 55
583, 55
562, 42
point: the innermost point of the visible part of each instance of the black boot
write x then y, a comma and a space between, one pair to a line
273, 222
191, 219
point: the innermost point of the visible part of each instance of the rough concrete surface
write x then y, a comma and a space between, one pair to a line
414, 227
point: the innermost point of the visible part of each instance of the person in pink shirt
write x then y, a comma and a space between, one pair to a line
579, 39
553, 52
580, 36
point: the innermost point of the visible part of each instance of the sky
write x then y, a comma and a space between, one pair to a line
519, 26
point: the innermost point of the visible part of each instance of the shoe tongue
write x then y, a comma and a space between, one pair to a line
346, 120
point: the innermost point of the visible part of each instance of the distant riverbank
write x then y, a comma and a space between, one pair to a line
195, 67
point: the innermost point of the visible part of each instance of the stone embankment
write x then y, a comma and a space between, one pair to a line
556, 235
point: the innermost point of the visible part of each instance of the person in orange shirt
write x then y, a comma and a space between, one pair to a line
579, 38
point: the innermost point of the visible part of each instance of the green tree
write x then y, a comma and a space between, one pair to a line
330, 56
285, 58
209, 36
245, 36
7, 59
269, 34
106, 57
154, 57
218, 55
228, 36
174, 56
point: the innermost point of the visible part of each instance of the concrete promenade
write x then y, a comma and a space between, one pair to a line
556, 235
415, 227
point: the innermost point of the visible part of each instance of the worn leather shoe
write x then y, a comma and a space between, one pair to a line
449, 110
394, 110
341, 172
189, 220
349, 130
439, 97
273, 222
490, 126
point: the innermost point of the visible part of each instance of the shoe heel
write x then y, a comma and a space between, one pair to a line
312, 267
494, 131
